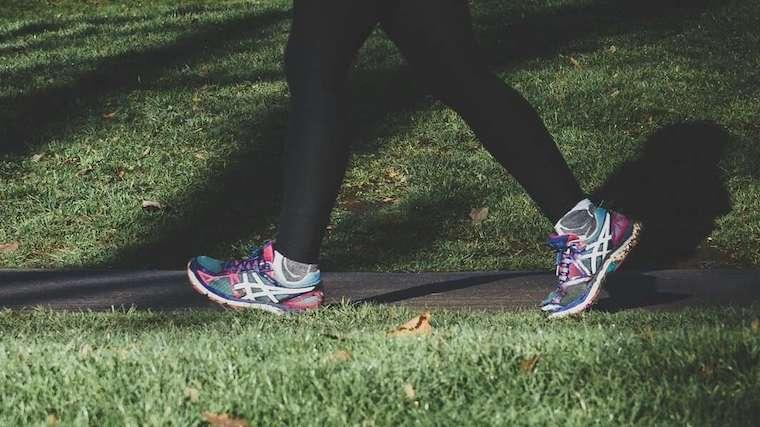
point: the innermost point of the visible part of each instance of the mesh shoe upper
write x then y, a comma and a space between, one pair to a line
250, 281
580, 258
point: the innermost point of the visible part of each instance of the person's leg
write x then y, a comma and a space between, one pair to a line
324, 39
436, 38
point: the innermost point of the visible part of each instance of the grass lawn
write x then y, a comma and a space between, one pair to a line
104, 104
339, 367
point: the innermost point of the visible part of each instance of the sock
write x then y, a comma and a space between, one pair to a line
291, 273
581, 220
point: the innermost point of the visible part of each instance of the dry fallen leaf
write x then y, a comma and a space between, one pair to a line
52, 420
223, 420
339, 356
575, 62
756, 325
528, 365
109, 115
200, 156
706, 369
612, 49
477, 215
85, 171
146, 151
8, 247
420, 325
151, 204
120, 173
191, 394
395, 175
614, 94
37, 157
85, 351
409, 391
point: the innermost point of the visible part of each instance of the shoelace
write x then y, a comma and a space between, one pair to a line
255, 261
567, 253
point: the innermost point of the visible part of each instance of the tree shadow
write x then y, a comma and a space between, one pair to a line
209, 216
26, 118
396, 233
98, 290
675, 188
507, 39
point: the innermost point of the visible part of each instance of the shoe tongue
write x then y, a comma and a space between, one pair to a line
581, 221
268, 252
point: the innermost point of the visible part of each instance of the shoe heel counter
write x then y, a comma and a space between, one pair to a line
622, 227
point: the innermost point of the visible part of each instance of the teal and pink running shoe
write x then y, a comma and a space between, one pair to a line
583, 263
250, 283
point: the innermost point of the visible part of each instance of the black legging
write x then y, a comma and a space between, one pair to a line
436, 38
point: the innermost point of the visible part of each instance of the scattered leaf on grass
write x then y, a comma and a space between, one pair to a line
120, 173
8, 247
109, 116
52, 420
334, 336
200, 156
85, 351
37, 157
755, 323
339, 356
409, 391
614, 94
477, 215
706, 369
420, 325
191, 394
223, 420
612, 49
146, 151
575, 62
528, 365
151, 205
85, 171
395, 175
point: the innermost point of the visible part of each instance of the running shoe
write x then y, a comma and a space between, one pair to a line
583, 263
250, 283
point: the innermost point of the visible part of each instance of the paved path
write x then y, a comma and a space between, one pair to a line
168, 290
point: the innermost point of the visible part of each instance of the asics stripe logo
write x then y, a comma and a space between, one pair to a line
598, 250
254, 287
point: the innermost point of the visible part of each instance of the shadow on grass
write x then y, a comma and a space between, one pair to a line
210, 222
26, 118
675, 188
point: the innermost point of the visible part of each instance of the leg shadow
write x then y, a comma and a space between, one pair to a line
438, 287
675, 188
634, 290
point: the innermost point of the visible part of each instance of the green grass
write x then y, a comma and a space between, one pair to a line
634, 368
104, 104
